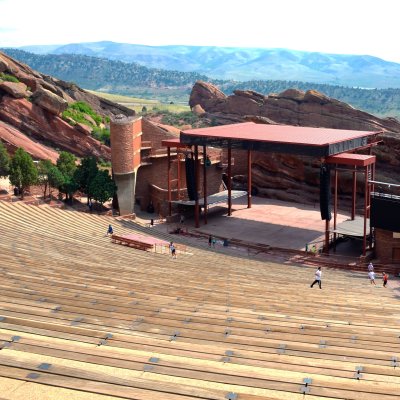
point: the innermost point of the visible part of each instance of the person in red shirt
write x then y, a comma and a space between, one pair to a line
385, 277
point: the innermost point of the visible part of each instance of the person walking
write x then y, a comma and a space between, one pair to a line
109, 230
210, 239
318, 276
370, 267
371, 276
385, 278
172, 249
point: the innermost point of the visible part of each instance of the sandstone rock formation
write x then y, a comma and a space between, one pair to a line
13, 138
288, 177
291, 107
49, 101
33, 107
15, 89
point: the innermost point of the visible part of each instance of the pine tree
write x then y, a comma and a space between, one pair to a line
4, 161
23, 172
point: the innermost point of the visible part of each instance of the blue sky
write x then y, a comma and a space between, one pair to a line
340, 26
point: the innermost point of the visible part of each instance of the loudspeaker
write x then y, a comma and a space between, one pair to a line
190, 178
325, 192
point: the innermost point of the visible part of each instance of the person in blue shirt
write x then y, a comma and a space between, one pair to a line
109, 230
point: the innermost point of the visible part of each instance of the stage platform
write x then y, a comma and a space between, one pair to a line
270, 222
353, 228
216, 198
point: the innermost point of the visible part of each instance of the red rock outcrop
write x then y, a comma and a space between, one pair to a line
33, 107
42, 125
13, 138
291, 107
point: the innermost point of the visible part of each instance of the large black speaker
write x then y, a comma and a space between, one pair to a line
191, 178
325, 192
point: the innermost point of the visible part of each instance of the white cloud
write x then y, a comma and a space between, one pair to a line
341, 26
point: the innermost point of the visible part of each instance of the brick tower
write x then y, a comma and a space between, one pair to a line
126, 135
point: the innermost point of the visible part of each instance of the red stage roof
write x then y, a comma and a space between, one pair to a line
279, 138
173, 143
358, 160
279, 133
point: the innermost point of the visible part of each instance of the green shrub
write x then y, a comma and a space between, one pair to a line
77, 112
8, 78
102, 134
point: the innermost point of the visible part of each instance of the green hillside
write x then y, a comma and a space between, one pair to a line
108, 76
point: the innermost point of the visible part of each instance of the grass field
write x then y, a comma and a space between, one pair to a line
137, 104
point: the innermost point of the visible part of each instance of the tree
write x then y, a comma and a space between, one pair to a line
69, 187
66, 164
85, 174
56, 178
23, 172
102, 187
4, 161
44, 167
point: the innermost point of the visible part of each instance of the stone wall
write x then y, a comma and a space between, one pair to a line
387, 246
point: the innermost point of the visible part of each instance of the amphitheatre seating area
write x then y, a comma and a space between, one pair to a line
82, 318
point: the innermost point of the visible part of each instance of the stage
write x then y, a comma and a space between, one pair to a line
269, 222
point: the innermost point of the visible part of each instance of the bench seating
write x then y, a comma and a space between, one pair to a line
82, 318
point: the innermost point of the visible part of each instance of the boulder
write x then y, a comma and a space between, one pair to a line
87, 130
15, 89
203, 92
29, 80
291, 94
49, 101
3, 64
198, 110
316, 97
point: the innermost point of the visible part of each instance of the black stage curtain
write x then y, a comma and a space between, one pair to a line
190, 178
325, 192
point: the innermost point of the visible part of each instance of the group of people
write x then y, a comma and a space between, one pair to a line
318, 272
371, 276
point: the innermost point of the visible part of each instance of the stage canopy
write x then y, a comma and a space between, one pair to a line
320, 142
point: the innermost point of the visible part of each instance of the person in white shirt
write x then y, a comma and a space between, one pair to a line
318, 276
371, 276
370, 267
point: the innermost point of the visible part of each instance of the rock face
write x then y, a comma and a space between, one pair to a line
42, 125
13, 138
33, 107
284, 176
15, 89
291, 107
49, 101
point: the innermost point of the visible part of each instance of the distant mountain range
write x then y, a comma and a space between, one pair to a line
136, 80
244, 64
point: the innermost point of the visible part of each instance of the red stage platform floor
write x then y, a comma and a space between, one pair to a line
271, 222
